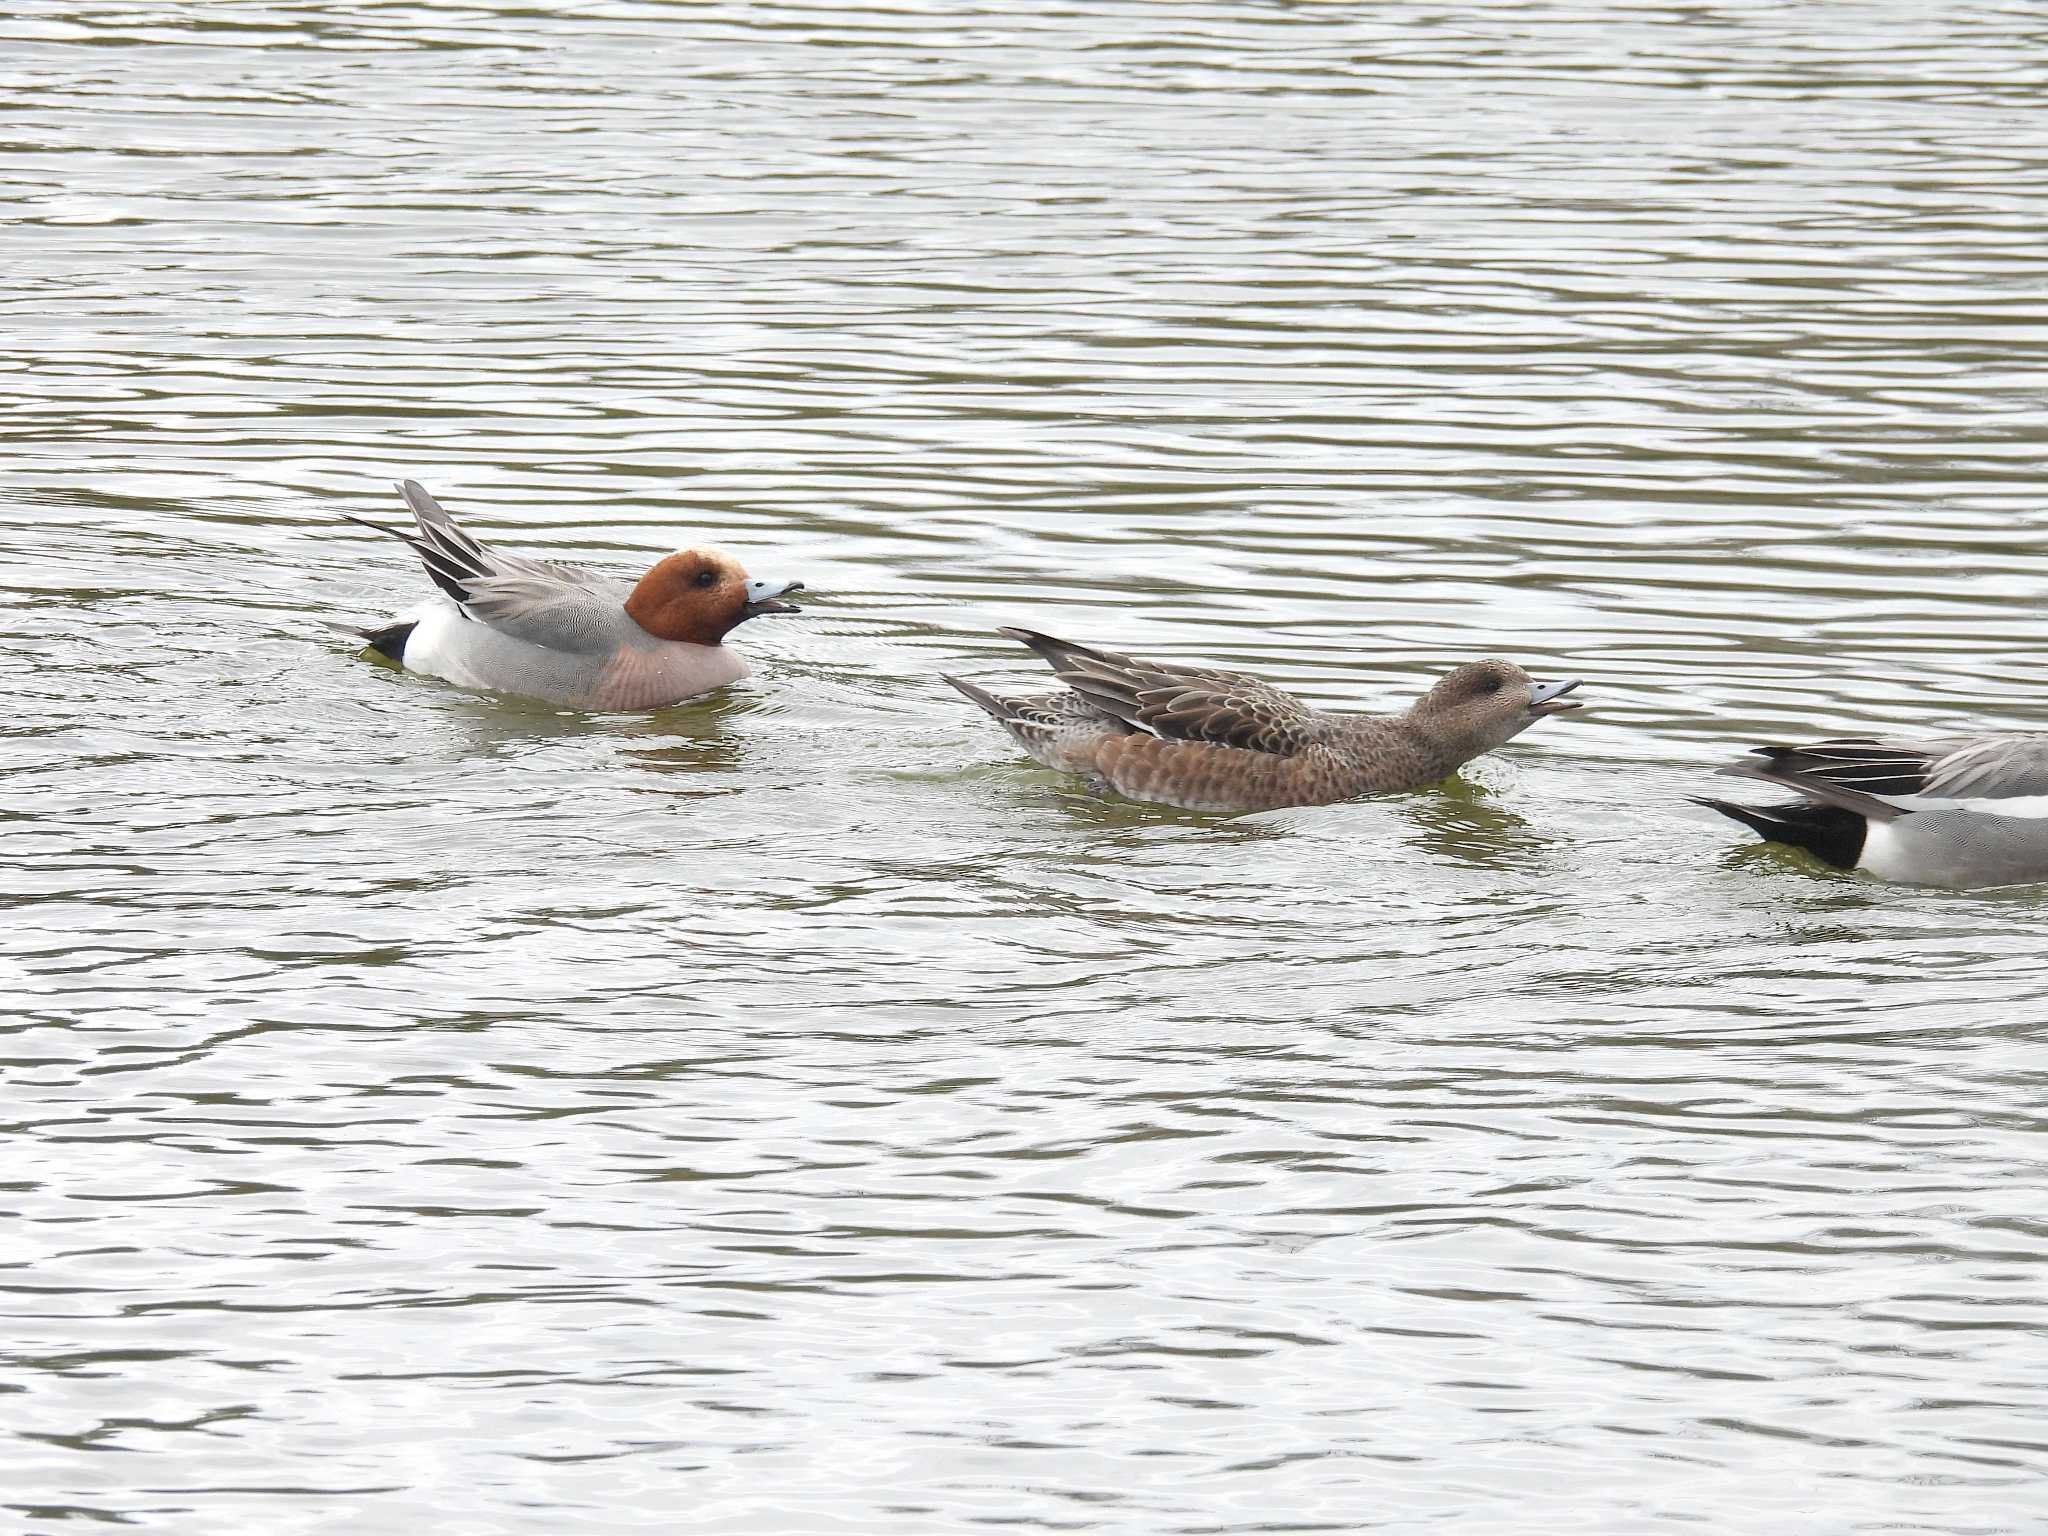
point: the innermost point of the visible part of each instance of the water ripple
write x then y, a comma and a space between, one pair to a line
795, 1109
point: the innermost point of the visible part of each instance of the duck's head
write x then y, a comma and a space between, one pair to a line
1485, 703
699, 595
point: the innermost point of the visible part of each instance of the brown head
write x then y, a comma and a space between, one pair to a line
1478, 706
698, 595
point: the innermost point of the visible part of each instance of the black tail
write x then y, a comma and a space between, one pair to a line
390, 640
1828, 832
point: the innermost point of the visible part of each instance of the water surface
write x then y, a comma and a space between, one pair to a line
794, 1111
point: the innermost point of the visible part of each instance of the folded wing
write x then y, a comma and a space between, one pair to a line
565, 607
1991, 769
1182, 703
1997, 775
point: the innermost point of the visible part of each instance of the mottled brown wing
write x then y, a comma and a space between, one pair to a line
1183, 703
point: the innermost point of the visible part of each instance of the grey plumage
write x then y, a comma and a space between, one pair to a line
1957, 811
540, 602
565, 634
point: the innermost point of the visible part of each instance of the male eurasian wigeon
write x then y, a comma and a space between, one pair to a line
568, 635
1964, 811
1220, 741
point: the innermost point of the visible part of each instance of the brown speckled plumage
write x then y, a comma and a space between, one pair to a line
1206, 740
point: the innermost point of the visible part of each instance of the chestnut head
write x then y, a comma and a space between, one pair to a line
698, 595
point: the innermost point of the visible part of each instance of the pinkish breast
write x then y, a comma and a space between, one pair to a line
649, 676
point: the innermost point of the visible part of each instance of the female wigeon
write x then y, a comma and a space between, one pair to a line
1220, 741
1965, 811
567, 635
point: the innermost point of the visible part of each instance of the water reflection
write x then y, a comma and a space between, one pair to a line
427, 1110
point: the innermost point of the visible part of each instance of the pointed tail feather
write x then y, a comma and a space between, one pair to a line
998, 707
384, 528
423, 505
1760, 821
1108, 681
450, 556
1774, 770
1830, 833
1059, 654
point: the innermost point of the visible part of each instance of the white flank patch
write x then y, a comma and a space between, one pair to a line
433, 647
1881, 855
2017, 807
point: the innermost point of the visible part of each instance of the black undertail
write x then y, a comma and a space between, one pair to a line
1828, 832
390, 640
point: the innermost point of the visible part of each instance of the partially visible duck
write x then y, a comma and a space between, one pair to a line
1205, 740
1964, 811
568, 635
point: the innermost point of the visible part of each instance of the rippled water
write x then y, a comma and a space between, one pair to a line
795, 1112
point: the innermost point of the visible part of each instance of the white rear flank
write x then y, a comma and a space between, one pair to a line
435, 648
2017, 807
1884, 857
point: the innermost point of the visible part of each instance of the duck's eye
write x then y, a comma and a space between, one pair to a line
1489, 685
707, 578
